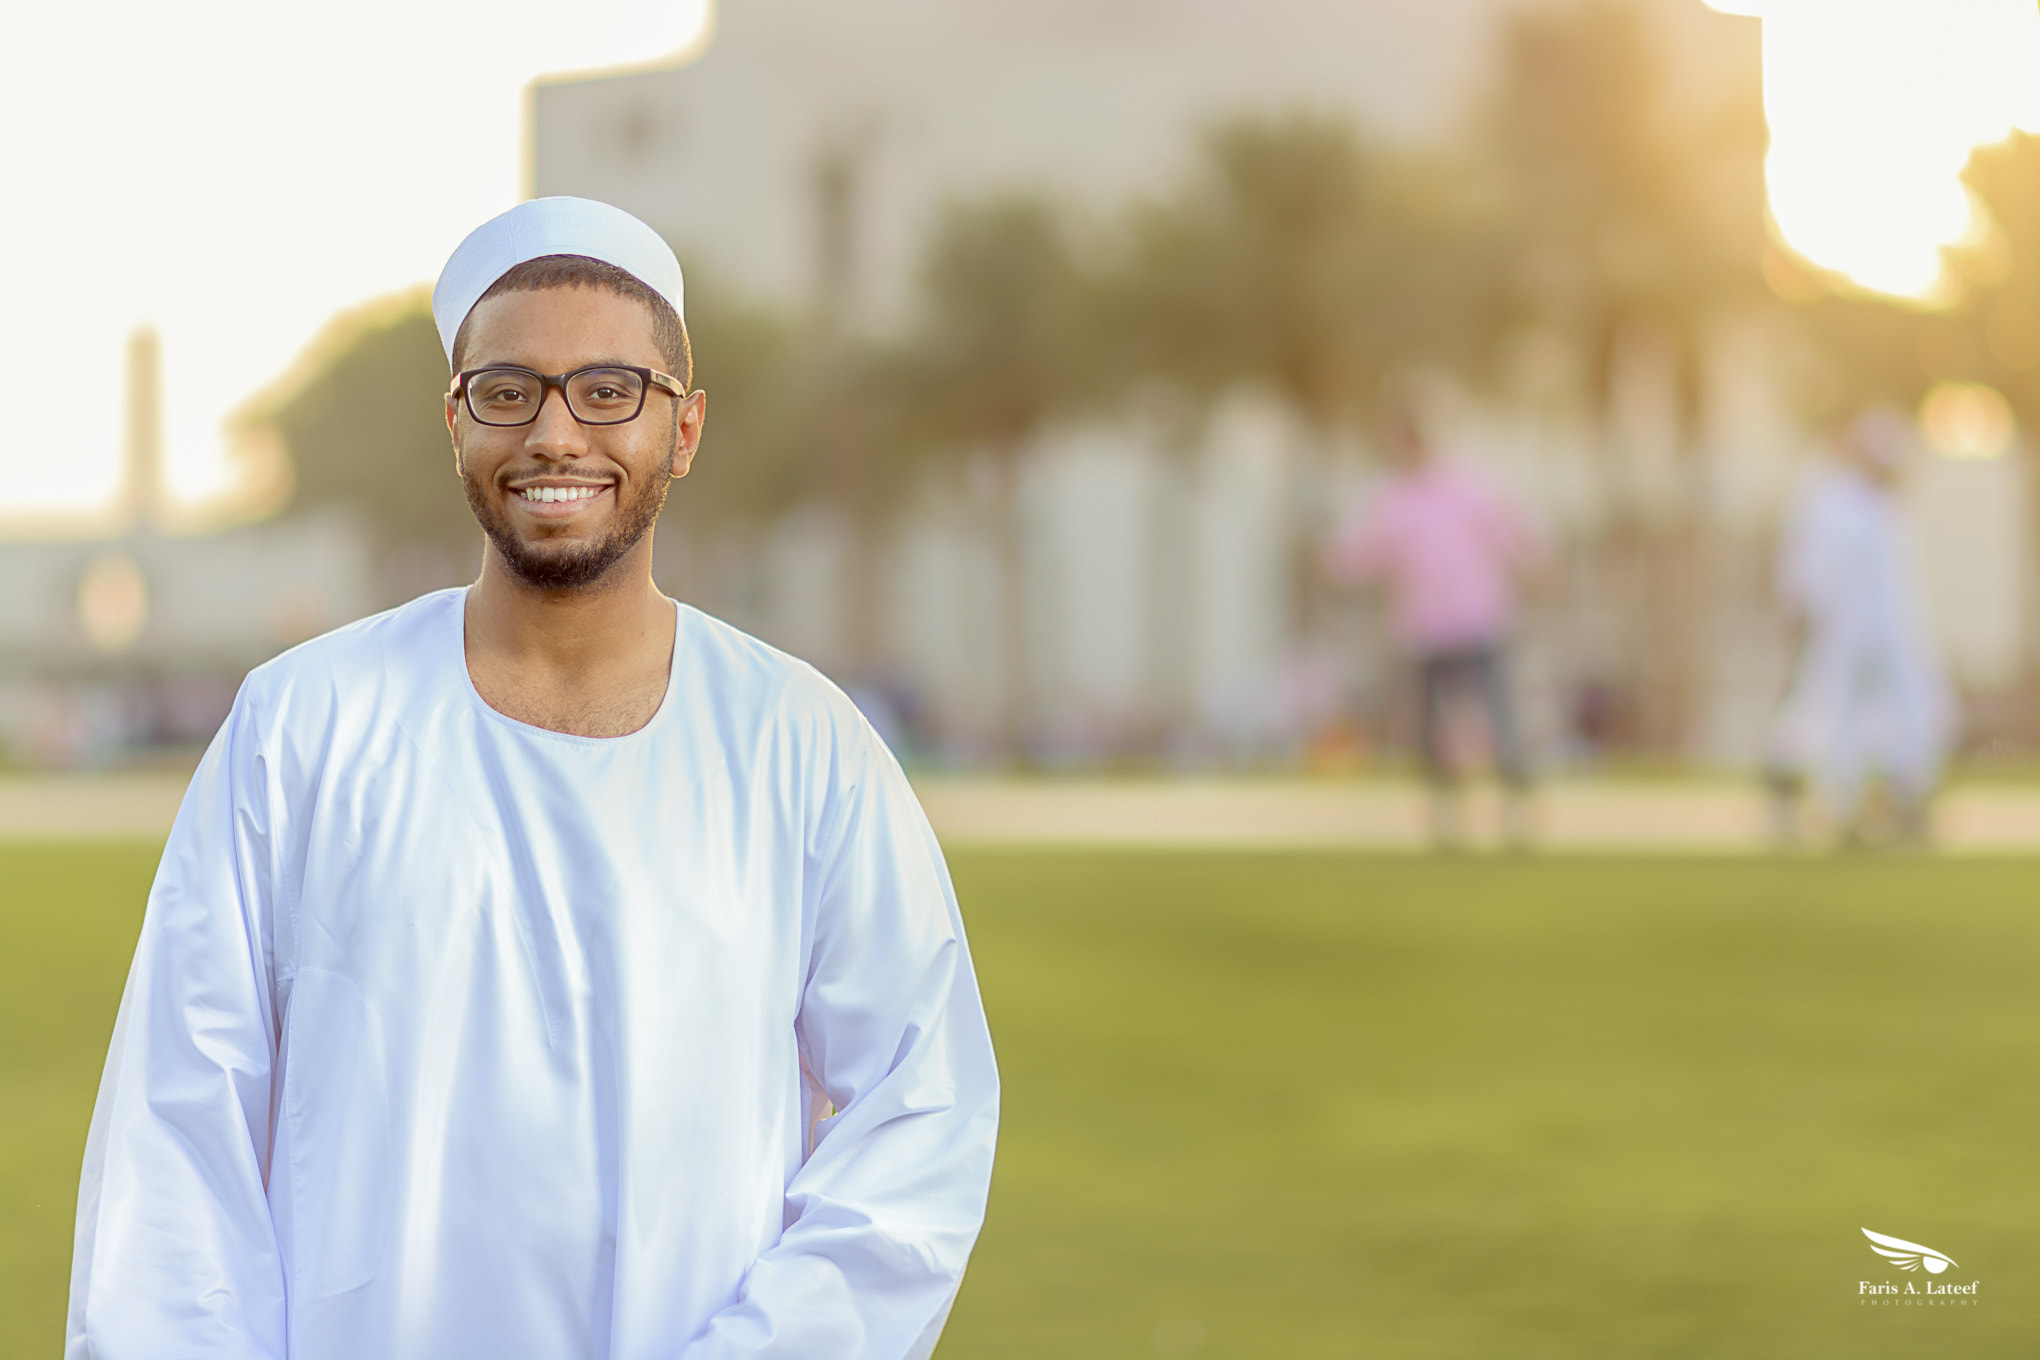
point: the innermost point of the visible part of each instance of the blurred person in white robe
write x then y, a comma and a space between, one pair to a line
1868, 698
542, 968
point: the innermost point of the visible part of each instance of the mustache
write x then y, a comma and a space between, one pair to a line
541, 472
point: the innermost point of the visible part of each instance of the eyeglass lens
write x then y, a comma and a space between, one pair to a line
595, 396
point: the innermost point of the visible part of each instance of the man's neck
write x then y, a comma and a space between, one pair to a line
592, 661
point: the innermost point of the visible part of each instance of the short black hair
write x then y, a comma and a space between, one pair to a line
669, 332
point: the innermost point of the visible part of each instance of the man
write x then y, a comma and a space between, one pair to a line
1448, 549
1868, 696
542, 968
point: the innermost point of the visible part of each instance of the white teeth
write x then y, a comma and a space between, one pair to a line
558, 493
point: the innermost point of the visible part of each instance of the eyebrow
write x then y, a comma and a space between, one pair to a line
592, 363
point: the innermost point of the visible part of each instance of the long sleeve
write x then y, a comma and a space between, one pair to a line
882, 1215
175, 1253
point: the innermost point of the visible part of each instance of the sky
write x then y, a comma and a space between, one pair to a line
236, 172
1873, 107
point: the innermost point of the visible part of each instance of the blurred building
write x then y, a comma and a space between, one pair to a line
803, 156
117, 646
801, 159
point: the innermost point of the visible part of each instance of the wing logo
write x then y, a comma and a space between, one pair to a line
1908, 1255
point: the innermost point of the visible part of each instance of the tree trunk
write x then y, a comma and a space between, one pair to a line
1309, 591
863, 618
1015, 688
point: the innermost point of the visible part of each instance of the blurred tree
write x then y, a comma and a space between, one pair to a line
1863, 349
1992, 335
1001, 341
360, 415
1006, 341
1629, 222
833, 430
1296, 257
753, 458
1983, 328
751, 466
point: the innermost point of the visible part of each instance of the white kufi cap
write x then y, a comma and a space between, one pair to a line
550, 226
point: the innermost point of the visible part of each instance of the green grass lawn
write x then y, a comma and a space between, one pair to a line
67, 925
1295, 1106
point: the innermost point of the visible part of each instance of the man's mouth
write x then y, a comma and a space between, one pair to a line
547, 494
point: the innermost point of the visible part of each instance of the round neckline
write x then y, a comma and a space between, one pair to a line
467, 680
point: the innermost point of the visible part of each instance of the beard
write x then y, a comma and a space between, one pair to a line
569, 566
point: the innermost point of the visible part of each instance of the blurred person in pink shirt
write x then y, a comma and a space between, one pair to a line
1447, 549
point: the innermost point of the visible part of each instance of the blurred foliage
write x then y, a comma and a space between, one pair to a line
362, 416
1294, 254
1627, 223
1861, 350
1596, 201
1619, 207
362, 413
1004, 340
1298, 258
2000, 311
750, 463
1985, 329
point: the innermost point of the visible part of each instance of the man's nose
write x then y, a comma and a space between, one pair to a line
554, 432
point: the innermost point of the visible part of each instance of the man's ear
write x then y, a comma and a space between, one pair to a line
453, 436
687, 422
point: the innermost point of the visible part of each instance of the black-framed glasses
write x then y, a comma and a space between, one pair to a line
605, 394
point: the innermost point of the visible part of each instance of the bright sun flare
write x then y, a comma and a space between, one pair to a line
1874, 107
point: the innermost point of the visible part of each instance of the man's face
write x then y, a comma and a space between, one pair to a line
617, 474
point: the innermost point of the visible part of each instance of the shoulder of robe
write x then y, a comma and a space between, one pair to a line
738, 673
360, 658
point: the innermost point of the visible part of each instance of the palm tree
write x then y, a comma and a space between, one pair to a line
1298, 259
1002, 347
361, 412
1623, 219
1993, 334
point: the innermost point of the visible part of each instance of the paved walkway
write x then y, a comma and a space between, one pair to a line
1673, 816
